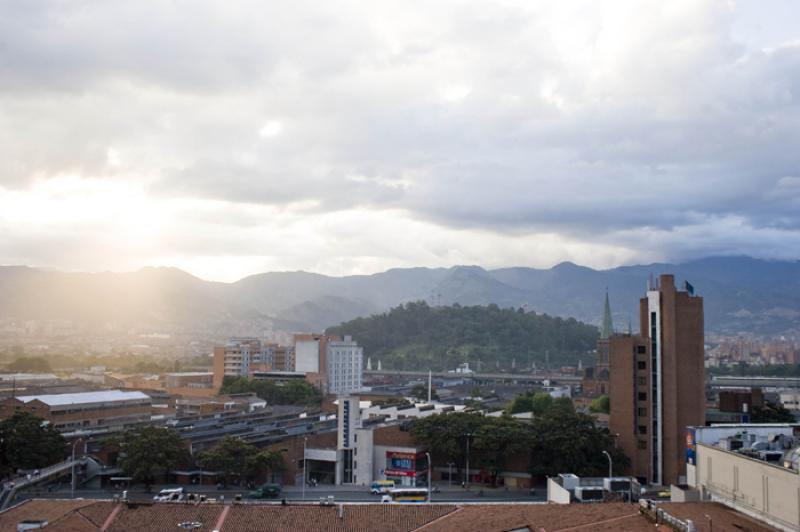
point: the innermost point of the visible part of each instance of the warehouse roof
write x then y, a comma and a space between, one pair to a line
106, 396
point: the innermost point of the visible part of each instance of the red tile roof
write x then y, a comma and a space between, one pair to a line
90, 516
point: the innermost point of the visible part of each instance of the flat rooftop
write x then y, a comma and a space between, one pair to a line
106, 396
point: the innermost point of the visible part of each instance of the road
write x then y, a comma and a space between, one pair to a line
312, 494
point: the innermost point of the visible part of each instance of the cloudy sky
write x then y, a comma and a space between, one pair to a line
229, 138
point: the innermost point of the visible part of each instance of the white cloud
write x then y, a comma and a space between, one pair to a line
435, 134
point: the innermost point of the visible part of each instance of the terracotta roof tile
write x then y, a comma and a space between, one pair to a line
723, 518
355, 517
47, 510
144, 517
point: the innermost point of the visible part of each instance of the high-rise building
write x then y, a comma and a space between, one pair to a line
333, 365
345, 366
657, 382
240, 357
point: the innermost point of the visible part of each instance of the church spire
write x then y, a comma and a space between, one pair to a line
608, 328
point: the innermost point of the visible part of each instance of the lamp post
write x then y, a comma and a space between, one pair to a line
610, 470
466, 473
305, 442
72, 483
430, 493
450, 473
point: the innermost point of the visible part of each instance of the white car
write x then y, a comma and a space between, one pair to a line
168, 495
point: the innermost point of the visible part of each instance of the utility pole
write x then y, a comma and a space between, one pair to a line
430, 470
429, 385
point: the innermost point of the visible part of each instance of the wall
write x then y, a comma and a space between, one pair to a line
306, 356
556, 492
765, 491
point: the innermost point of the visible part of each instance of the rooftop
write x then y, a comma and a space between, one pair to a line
84, 515
106, 396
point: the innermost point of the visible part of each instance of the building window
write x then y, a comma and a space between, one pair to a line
641, 364
642, 381
642, 412
642, 396
641, 444
641, 349
642, 429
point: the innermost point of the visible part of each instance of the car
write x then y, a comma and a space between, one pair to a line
267, 491
169, 495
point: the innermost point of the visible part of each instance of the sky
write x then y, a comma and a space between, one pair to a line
237, 137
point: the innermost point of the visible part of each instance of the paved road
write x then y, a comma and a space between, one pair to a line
292, 494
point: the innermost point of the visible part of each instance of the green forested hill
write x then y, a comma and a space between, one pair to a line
417, 336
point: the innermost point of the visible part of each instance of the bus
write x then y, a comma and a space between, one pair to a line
406, 495
381, 486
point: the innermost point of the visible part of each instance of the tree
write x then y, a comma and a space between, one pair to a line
446, 434
563, 441
496, 439
292, 393
35, 364
771, 413
420, 392
600, 405
26, 442
150, 452
237, 458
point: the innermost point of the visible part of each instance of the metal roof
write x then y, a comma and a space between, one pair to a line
107, 396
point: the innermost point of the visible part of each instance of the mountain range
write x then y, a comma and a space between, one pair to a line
741, 295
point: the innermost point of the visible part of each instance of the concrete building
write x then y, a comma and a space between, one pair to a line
89, 410
752, 468
241, 357
657, 382
345, 366
311, 358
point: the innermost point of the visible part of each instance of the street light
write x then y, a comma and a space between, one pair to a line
72, 483
450, 473
305, 442
430, 493
610, 470
466, 473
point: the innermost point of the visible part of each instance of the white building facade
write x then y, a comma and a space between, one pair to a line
345, 366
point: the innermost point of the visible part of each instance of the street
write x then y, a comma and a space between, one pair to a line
450, 494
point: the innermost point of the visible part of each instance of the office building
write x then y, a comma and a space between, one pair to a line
345, 366
332, 364
657, 382
241, 357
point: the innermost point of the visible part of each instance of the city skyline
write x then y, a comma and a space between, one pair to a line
351, 138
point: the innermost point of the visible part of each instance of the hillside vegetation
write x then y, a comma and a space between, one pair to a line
418, 336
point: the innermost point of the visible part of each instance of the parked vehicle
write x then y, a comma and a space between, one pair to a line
169, 495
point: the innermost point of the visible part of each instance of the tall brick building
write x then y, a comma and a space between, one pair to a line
657, 382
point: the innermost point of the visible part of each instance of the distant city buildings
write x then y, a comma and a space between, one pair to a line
332, 364
241, 357
657, 382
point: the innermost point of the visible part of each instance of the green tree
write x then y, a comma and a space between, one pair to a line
496, 439
149, 453
237, 458
601, 405
564, 441
771, 413
26, 442
292, 393
34, 364
446, 434
420, 393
